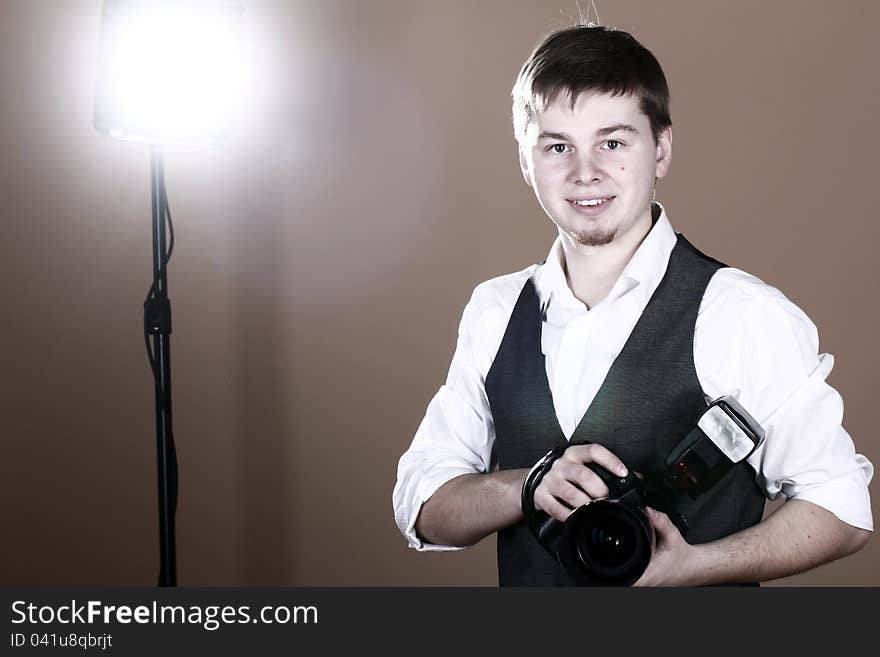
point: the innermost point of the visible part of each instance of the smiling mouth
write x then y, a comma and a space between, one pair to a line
591, 203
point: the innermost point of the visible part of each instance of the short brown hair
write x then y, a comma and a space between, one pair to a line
587, 58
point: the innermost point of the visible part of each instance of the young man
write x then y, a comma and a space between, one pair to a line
618, 339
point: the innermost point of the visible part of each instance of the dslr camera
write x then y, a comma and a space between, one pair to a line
610, 541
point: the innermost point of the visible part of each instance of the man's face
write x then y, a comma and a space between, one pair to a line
593, 168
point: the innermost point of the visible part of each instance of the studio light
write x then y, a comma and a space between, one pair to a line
169, 71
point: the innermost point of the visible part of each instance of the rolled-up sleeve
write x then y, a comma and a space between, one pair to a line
755, 344
447, 444
455, 437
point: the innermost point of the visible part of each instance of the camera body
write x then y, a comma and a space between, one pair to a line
609, 542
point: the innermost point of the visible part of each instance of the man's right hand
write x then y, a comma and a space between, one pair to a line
570, 482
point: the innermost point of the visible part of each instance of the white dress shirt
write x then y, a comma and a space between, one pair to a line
750, 342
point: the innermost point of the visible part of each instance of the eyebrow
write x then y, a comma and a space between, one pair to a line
625, 127
601, 132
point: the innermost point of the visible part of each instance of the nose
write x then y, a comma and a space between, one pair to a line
586, 169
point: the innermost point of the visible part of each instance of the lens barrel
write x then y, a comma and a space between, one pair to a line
606, 543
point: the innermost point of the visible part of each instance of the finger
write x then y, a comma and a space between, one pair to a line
583, 478
557, 487
594, 453
571, 495
550, 505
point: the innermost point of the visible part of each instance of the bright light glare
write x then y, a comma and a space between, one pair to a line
170, 71
726, 434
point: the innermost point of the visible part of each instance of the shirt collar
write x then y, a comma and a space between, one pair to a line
642, 273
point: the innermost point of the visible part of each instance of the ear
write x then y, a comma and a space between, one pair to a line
524, 167
664, 152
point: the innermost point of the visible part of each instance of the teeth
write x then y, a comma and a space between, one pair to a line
598, 201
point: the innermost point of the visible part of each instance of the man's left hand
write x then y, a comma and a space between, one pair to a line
674, 562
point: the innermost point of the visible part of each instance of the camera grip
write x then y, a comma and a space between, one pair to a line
617, 485
541, 523
607, 478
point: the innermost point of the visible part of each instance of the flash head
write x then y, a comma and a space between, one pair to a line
725, 435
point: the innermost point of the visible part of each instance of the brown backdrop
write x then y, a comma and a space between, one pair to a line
324, 256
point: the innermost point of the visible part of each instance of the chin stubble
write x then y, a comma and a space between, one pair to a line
594, 238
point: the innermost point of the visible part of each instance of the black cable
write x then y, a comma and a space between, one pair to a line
167, 207
172, 449
152, 291
151, 295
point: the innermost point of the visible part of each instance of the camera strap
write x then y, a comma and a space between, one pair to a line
531, 483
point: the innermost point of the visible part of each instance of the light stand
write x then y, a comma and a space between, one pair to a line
168, 73
157, 325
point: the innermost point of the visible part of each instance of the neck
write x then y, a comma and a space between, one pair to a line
591, 271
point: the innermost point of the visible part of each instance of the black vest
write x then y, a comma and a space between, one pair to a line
649, 400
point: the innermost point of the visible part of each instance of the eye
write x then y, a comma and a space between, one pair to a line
559, 149
613, 145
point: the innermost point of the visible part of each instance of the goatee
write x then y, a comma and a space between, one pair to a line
594, 237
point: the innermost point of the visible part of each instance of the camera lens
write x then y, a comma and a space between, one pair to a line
606, 542
609, 544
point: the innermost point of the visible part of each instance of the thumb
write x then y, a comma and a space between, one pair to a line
661, 522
